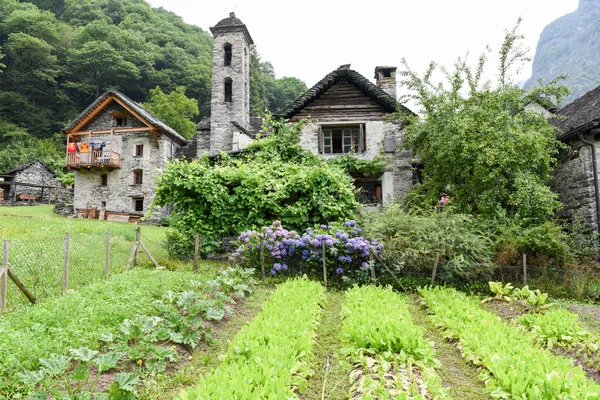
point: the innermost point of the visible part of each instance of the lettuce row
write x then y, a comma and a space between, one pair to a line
515, 367
389, 352
270, 358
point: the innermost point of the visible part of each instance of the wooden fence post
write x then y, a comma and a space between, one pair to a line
262, 256
138, 235
3, 276
107, 256
524, 269
372, 266
196, 247
324, 265
435, 267
66, 267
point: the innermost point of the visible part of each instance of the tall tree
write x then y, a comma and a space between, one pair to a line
480, 143
175, 109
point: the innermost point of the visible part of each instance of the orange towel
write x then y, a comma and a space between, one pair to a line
85, 147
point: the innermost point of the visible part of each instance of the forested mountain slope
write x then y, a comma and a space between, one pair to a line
57, 56
569, 45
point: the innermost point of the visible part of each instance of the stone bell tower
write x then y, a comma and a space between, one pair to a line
230, 100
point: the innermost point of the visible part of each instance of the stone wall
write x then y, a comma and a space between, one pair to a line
37, 174
574, 183
238, 110
376, 134
119, 193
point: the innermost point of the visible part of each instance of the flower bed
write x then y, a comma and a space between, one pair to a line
389, 352
271, 357
516, 367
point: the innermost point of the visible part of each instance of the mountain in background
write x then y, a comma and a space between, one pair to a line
571, 45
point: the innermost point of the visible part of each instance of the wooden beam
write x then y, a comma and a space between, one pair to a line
91, 115
105, 131
132, 111
155, 136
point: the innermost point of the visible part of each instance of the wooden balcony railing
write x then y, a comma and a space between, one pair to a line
94, 159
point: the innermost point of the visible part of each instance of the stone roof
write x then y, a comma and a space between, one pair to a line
367, 87
204, 124
23, 167
150, 118
231, 24
576, 115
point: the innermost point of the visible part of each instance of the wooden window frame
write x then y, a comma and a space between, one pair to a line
138, 177
104, 180
135, 204
120, 121
139, 150
358, 144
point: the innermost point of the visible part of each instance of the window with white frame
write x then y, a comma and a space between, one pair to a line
342, 139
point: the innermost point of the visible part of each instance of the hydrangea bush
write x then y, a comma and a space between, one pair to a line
346, 250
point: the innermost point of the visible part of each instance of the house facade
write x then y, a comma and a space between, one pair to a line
577, 181
116, 148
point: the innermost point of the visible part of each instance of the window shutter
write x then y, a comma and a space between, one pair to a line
320, 139
362, 139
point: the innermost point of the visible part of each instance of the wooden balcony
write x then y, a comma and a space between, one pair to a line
94, 159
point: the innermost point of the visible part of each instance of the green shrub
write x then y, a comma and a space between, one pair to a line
411, 240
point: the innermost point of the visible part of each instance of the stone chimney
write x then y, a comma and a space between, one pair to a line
385, 78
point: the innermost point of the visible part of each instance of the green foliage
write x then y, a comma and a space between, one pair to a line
175, 109
556, 327
267, 93
480, 144
77, 320
268, 358
583, 243
273, 179
501, 292
412, 240
515, 366
381, 340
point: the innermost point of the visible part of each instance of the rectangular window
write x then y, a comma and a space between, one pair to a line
120, 121
102, 204
342, 139
137, 177
138, 204
103, 180
139, 150
228, 90
369, 191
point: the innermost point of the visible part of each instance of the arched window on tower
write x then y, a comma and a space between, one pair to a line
227, 49
228, 90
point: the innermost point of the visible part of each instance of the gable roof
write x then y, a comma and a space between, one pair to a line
150, 118
577, 115
386, 101
23, 167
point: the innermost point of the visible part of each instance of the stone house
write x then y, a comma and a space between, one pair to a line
116, 148
346, 113
576, 179
32, 182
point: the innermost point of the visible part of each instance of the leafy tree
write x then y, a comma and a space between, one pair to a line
274, 179
175, 109
480, 144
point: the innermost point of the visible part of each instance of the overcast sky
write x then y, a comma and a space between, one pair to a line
308, 39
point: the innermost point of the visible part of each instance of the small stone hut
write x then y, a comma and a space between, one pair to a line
34, 181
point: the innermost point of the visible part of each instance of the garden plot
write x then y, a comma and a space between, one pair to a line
390, 355
515, 366
272, 356
83, 348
